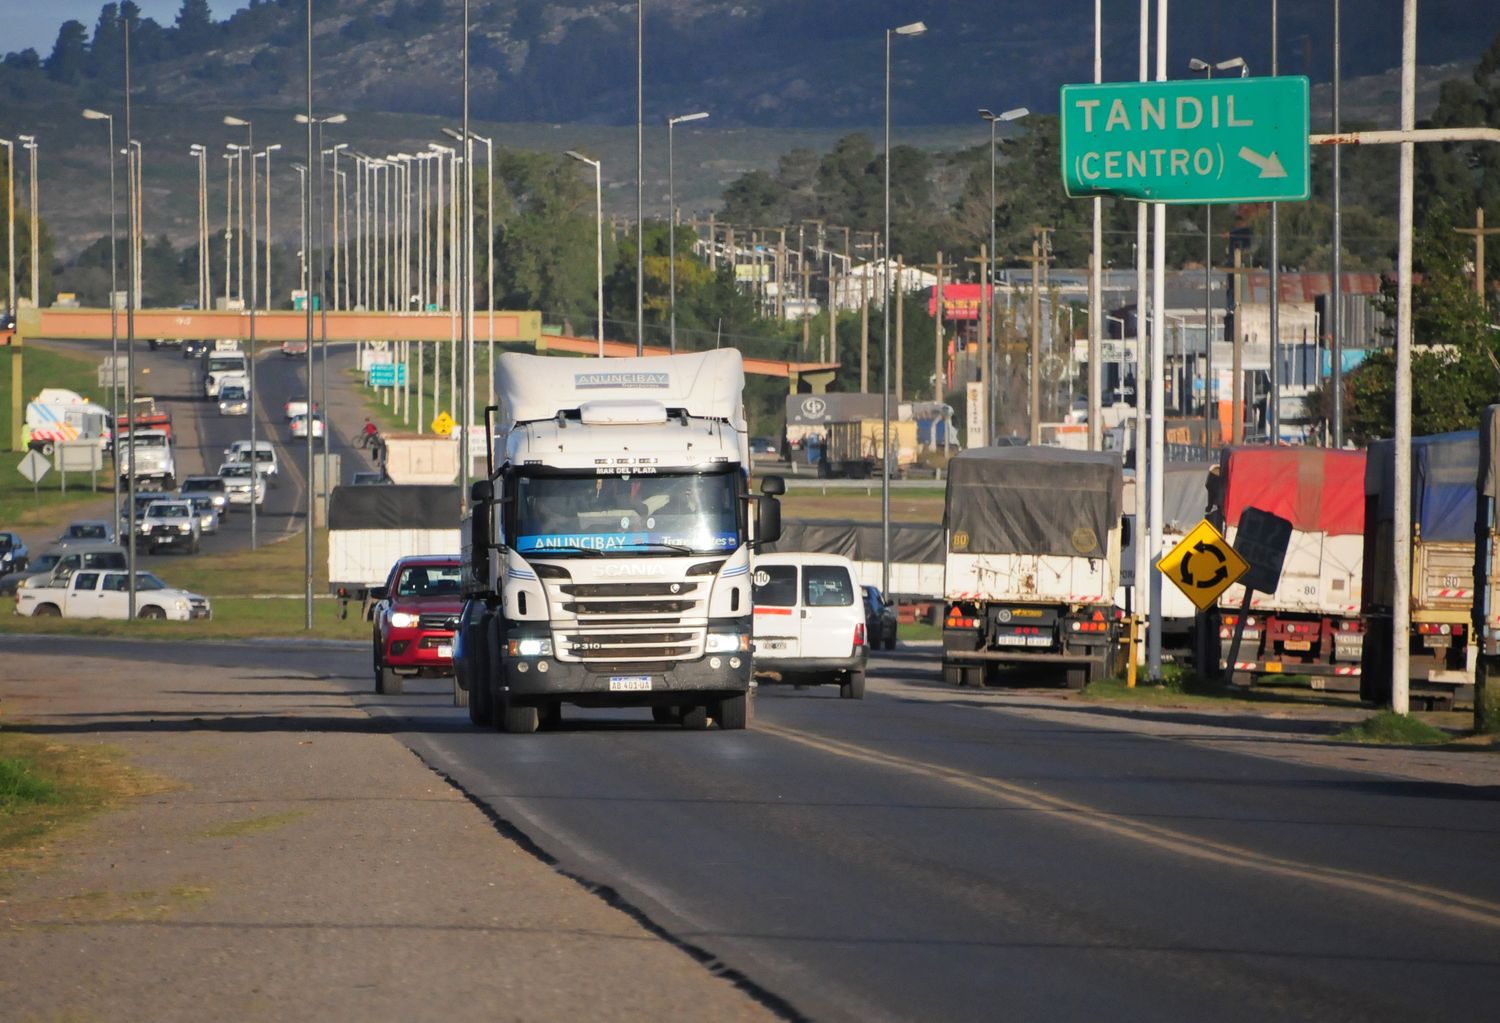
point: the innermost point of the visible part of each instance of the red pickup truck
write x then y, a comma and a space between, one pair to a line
415, 619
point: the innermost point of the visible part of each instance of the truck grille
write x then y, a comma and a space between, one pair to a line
438, 620
631, 622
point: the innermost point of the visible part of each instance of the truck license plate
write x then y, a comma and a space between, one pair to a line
771, 644
629, 683
1298, 644
1023, 640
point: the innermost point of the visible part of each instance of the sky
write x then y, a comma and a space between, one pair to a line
36, 25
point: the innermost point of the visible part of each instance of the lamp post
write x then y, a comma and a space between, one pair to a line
301, 225
334, 151
229, 159
640, 188
114, 324
30, 145
598, 248
672, 227
266, 152
987, 272
239, 216
915, 28
489, 243
1210, 405
200, 152
10, 233
137, 236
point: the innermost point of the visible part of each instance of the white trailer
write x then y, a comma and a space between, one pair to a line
370, 528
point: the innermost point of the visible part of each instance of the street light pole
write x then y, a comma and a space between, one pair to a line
10, 233
114, 319
672, 227
1210, 404
598, 247
914, 28
30, 145
199, 152
640, 188
987, 274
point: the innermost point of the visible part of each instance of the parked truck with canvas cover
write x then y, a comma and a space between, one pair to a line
1486, 575
1444, 468
1033, 540
608, 553
1311, 625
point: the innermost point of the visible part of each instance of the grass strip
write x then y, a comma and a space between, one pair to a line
1391, 729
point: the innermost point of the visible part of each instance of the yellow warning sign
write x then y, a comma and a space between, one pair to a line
443, 425
1203, 565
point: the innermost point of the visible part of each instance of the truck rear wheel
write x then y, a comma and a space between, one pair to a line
973, 676
952, 675
733, 712
460, 694
1078, 677
695, 719
853, 687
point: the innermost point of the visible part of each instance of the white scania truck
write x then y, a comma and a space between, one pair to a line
608, 554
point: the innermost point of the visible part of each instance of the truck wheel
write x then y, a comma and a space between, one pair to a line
460, 695
853, 687
664, 715
973, 676
517, 720
695, 719
550, 716
481, 709
733, 712
47, 449
151, 611
49, 611
1077, 677
952, 675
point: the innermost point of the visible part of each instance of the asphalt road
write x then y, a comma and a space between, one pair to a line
201, 435
935, 854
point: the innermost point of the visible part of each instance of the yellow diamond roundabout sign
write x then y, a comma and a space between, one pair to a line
1203, 565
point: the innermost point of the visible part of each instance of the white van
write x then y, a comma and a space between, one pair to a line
810, 621
265, 456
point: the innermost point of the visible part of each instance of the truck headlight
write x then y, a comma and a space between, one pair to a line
184, 527
180, 605
727, 643
403, 620
533, 647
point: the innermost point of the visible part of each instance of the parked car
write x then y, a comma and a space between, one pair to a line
59, 565
170, 524
298, 426
13, 553
194, 348
809, 621
164, 342
208, 486
369, 479
293, 347
880, 619
762, 447
208, 515
242, 484
415, 620
234, 400
85, 531
104, 594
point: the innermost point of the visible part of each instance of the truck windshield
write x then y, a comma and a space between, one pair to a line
667, 514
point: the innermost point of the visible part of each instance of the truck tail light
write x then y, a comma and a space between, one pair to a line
859, 635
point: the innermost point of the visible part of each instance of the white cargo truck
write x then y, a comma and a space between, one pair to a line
147, 453
421, 459
608, 553
1033, 539
370, 528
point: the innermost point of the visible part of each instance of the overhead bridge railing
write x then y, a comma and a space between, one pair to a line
278, 326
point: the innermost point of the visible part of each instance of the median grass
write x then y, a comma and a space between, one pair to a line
47, 787
1391, 729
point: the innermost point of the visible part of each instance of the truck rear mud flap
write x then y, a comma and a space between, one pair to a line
1336, 678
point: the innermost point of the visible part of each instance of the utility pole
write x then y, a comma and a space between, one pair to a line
1478, 232
1237, 361
986, 315
900, 326
1035, 376
939, 377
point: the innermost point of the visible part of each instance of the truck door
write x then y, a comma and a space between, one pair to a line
84, 596
829, 613
778, 624
114, 596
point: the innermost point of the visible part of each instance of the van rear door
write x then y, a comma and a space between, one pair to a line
830, 613
778, 623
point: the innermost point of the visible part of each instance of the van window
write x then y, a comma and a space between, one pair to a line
85, 580
775, 586
827, 586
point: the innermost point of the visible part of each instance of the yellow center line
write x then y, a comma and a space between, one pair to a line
1431, 899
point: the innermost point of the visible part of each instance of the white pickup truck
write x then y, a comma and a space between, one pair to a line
94, 594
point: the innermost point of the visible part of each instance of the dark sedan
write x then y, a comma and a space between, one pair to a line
880, 620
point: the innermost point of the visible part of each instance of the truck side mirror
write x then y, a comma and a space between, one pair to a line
479, 536
767, 520
1127, 531
481, 490
774, 486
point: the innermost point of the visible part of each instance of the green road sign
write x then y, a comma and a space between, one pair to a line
1202, 141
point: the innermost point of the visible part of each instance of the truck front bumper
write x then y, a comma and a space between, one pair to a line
622, 685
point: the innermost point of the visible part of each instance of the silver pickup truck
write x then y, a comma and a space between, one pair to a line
149, 454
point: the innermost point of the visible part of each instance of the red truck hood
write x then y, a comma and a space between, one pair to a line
428, 605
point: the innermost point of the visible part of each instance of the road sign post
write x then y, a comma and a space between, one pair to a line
1229, 140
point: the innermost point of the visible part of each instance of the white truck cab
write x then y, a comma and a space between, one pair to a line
612, 542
